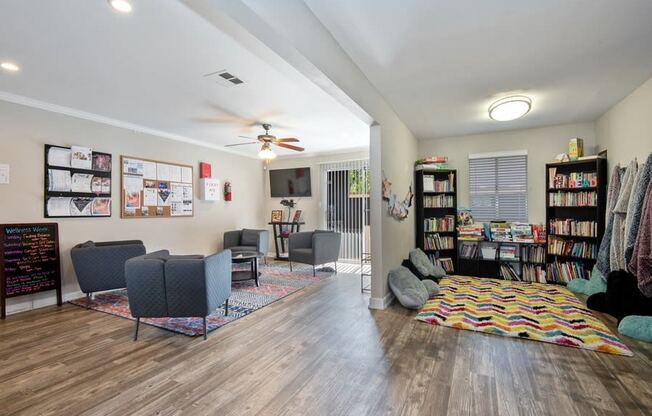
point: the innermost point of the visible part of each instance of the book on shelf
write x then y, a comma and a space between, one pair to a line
573, 227
533, 254
569, 248
573, 180
438, 201
500, 231
474, 232
534, 273
508, 252
539, 233
509, 272
573, 199
564, 272
438, 242
446, 224
445, 262
522, 232
430, 184
468, 250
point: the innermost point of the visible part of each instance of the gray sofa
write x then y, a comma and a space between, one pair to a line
314, 248
247, 240
100, 266
161, 285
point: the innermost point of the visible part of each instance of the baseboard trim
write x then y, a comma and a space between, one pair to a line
381, 303
33, 304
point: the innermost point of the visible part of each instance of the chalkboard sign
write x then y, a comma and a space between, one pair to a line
29, 260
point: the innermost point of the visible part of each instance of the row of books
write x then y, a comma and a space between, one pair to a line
508, 252
500, 231
533, 254
437, 242
445, 262
474, 232
573, 227
574, 180
570, 248
446, 223
564, 272
438, 201
533, 273
509, 272
573, 199
432, 185
468, 250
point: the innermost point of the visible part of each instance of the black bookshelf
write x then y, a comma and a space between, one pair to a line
425, 210
594, 212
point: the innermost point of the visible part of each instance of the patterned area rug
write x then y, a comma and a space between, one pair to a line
275, 283
539, 312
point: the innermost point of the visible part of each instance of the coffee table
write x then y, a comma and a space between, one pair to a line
246, 257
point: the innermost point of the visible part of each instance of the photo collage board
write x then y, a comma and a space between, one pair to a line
154, 189
77, 182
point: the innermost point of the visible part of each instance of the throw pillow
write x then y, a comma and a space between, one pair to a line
597, 283
431, 287
638, 327
577, 285
422, 262
407, 288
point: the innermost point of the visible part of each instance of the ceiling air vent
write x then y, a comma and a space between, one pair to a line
224, 78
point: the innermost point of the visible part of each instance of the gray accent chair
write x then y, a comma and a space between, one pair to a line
247, 240
101, 266
314, 248
162, 285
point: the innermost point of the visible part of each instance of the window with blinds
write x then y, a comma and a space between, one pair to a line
498, 187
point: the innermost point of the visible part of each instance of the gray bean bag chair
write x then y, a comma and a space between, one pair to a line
411, 292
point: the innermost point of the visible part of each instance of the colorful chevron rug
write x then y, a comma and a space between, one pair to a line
534, 311
276, 282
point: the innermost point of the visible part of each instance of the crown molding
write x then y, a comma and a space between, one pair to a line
84, 115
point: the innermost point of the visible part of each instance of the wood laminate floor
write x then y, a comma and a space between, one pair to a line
317, 352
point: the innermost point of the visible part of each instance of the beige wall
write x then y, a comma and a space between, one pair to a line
24, 131
542, 145
625, 131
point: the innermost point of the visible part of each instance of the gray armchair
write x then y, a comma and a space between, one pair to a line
160, 285
101, 266
247, 240
314, 248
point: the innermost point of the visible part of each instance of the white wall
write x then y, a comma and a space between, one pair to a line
625, 131
311, 207
23, 133
542, 145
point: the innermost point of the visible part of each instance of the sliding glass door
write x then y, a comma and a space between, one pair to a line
345, 197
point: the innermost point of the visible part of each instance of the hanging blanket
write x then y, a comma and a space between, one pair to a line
641, 264
603, 254
617, 250
636, 207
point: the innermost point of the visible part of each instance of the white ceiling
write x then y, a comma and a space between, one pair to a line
146, 68
440, 63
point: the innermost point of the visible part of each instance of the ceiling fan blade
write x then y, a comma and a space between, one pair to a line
289, 146
247, 137
239, 144
286, 140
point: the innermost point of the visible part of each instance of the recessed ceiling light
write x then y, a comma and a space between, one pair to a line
122, 6
10, 66
510, 108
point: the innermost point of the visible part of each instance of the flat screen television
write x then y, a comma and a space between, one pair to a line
287, 183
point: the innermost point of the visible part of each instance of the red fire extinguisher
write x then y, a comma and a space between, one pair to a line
227, 191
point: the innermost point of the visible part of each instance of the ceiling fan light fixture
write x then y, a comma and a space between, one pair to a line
510, 108
266, 152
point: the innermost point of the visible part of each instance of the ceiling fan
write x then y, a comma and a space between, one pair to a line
267, 141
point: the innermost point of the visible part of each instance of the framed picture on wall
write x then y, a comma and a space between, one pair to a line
277, 215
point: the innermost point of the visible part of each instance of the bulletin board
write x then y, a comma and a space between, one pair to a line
77, 182
155, 189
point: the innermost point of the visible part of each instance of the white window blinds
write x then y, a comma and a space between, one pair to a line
498, 187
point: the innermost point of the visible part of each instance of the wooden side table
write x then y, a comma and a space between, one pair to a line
280, 236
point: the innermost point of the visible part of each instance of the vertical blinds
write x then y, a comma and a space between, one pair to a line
498, 188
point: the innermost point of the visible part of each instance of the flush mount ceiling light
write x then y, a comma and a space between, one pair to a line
266, 152
10, 66
510, 108
122, 6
